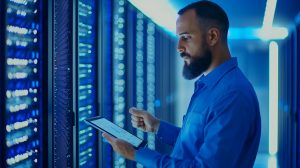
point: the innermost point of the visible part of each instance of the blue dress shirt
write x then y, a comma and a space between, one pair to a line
221, 128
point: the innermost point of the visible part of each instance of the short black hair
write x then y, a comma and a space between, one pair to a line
212, 13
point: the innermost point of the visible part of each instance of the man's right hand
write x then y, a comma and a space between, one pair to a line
143, 120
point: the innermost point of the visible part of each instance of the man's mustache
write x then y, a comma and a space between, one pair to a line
185, 55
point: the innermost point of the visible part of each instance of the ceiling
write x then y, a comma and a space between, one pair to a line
250, 13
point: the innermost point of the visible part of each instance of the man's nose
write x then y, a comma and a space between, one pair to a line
180, 48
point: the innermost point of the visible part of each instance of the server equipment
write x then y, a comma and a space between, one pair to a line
288, 107
22, 86
86, 88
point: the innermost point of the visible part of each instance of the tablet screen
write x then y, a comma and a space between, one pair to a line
115, 130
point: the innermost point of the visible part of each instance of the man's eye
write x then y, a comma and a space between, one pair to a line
186, 37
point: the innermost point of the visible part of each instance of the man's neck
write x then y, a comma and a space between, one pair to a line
219, 57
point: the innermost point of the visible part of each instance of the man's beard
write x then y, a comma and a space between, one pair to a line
198, 64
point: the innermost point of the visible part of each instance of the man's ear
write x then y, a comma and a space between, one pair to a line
213, 36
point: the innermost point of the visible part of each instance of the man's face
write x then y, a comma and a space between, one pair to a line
192, 45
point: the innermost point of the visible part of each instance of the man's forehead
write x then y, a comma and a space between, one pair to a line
182, 29
185, 22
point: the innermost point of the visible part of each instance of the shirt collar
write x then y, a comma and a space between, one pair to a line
214, 76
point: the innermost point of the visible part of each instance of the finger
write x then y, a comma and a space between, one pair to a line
109, 138
134, 124
135, 118
134, 111
137, 124
141, 124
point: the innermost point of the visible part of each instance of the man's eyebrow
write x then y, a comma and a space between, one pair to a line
183, 33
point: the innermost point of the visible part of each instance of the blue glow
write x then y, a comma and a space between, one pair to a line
252, 33
298, 18
23, 91
87, 96
157, 103
242, 33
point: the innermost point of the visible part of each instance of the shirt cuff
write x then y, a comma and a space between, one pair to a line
147, 157
167, 132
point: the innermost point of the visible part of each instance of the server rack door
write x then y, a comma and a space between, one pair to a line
105, 93
283, 150
62, 114
287, 103
297, 55
294, 98
86, 83
2, 86
23, 101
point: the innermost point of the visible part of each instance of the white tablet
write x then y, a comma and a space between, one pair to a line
109, 127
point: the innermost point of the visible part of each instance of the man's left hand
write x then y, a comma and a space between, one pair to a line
120, 146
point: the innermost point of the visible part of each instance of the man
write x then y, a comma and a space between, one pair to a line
222, 125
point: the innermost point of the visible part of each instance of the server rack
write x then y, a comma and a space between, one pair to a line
151, 73
287, 102
86, 83
105, 77
61, 115
140, 76
131, 51
141, 69
119, 70
150, 82
128, 70
297, 55
165, 53
2, 86
284, 97
145, 71
295, 85
22, 103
